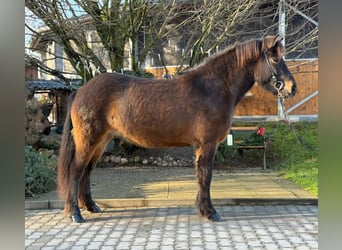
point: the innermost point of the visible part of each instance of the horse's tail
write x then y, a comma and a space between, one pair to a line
66, 154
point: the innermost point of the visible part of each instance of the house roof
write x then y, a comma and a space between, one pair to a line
46, 85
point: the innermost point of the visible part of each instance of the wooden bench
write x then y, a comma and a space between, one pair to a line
235, 138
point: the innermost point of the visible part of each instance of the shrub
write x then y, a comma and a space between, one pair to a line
225, 152
140, 73
40, 174
36, 123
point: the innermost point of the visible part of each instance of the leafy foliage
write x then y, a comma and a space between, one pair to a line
257, 138
140, 73
40, 174
225, 152
295, 153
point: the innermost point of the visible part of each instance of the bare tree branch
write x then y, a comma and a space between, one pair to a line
96, 33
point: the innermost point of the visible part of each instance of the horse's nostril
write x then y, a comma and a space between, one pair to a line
294, 89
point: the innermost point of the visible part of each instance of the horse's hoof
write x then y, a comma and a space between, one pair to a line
77, 218
94, 209
215, 217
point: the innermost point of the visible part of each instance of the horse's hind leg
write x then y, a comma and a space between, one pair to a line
84, 194
84, 160
204, 163
84, 197
71, 204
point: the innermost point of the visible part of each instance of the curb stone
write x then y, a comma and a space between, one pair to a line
120, 203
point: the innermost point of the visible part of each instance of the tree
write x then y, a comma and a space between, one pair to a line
67, 32
215, 23
198, 29
116, 22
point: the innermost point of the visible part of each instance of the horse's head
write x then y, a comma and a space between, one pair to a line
271, 71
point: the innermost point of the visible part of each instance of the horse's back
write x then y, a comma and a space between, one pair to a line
151, 113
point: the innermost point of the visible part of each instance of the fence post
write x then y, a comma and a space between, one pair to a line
282, 33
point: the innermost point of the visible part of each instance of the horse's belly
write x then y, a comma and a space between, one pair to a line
154, 136
157, 138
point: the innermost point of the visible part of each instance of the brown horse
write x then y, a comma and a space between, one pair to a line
194, 109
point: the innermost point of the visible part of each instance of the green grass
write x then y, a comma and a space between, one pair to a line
293, 153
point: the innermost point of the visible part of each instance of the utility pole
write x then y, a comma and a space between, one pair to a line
281, 32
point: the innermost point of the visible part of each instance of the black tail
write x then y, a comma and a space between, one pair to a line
66, 154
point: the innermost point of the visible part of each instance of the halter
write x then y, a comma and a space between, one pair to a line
278, 85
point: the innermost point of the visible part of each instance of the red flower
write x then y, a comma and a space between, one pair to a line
261, 131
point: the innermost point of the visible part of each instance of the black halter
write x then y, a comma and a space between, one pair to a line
278, 84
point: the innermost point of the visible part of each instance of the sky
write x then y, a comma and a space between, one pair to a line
36, 23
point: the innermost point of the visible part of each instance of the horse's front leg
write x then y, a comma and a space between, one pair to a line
204, 164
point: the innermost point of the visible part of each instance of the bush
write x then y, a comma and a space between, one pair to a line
225, 152
40, 174
140, 73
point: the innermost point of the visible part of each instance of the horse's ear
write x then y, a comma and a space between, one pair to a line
277, 39
270, 42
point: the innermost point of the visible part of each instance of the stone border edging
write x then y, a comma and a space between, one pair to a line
122, 203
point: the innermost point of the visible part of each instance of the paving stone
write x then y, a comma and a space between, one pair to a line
246, 227
312, 244
303, 248
211, 245
83, 242
109, 247
64, 245
167, 247
94, 245
271, 246
284, 243
224, 243
54, 242
241, 245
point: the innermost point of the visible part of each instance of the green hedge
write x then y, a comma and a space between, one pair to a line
40, 173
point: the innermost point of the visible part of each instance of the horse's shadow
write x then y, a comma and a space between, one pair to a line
140, 213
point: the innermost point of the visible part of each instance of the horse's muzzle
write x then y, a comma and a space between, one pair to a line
289, 90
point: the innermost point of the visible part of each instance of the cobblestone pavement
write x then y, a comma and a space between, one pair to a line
243, 227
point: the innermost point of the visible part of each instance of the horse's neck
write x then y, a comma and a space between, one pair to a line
240, 83
234, 83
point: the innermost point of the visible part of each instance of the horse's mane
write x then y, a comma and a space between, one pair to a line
253, 49
247, 51
243, 51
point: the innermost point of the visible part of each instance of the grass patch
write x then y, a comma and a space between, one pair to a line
305, 174
294, 153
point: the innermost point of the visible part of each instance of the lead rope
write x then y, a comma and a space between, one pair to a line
288, 121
